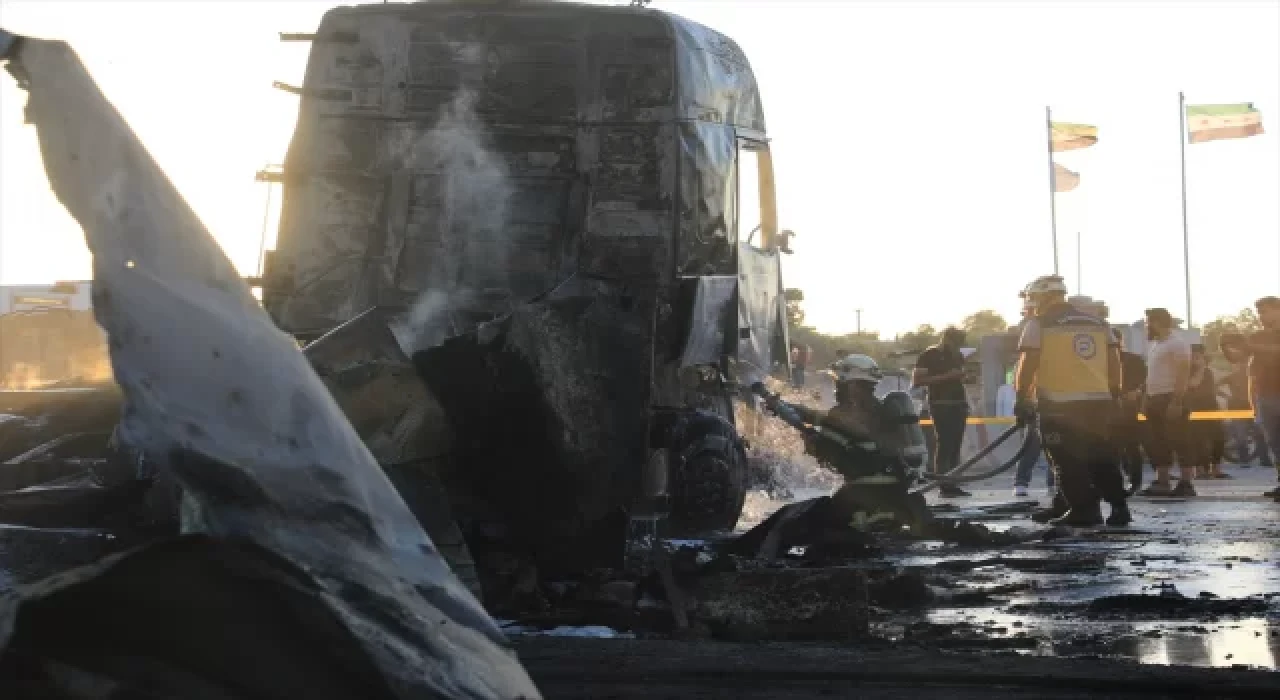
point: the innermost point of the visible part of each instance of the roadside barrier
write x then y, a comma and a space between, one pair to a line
1197, 415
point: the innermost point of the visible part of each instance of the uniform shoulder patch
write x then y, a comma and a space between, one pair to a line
1085, 346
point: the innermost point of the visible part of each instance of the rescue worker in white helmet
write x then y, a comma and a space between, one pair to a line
1069, 374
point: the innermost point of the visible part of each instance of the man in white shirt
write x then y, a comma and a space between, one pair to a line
1168, 372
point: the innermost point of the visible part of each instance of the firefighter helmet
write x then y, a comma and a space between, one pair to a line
856, 368
1045, 284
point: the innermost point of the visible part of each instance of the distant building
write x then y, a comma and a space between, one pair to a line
48, 334
72, 296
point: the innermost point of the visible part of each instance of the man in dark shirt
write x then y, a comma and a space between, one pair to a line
1128, 435
1264, 373
941, 369
1235, 348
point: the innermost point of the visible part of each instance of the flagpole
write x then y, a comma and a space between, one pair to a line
1053, 205
1186, 237
1079, 267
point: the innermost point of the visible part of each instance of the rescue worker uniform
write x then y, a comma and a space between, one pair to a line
1076, 407
856, 432
856, 417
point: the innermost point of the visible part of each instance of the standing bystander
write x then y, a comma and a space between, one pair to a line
797, 365
1128, 429
1235, 388
940, 368
1264, 373
1208, 436
1168, 371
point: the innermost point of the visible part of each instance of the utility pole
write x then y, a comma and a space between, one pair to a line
859, 313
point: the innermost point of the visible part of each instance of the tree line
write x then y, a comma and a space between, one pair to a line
892, 352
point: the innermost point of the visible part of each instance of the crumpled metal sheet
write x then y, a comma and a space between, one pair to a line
221, 397
712, 320
760, 307
708, 229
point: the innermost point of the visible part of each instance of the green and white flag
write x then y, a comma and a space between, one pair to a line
1216, 122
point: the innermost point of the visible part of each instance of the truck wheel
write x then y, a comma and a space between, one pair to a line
708, 482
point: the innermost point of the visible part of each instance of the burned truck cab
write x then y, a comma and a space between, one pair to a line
565, 216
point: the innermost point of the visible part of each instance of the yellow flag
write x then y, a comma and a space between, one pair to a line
1069, 137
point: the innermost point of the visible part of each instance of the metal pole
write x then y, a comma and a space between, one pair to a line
262, 239
859, 313
1053, 185
1186, 237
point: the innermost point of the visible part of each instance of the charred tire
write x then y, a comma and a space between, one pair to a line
708, 480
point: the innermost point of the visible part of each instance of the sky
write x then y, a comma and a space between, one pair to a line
908, 139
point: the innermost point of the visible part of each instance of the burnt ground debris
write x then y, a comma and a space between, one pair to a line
1023, 597
1193, 582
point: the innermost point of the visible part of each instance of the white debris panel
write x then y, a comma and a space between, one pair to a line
218, 395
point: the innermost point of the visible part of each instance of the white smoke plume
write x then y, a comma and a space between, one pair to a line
471, 194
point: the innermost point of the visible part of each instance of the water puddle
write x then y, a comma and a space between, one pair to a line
1249, 641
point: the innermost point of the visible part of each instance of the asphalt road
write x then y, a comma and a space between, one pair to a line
630, 669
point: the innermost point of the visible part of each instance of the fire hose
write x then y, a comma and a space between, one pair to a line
955, 476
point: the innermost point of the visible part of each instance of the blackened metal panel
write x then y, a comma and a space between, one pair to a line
759, 298
602, 85
707, 230
713, 319
629, 218
343, 213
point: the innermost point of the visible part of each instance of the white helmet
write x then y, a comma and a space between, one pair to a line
1046, 284
856, 368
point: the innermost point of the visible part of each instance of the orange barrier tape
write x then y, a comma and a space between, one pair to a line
1198, 415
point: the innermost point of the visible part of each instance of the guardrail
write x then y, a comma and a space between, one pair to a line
1197, 415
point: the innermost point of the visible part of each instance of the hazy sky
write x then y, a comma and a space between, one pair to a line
908, 137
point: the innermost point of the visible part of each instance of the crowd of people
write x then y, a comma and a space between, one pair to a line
1101, 413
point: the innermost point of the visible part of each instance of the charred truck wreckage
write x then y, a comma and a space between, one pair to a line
534, 206
512, 248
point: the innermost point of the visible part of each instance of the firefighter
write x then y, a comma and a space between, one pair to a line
1069, 374
856, 434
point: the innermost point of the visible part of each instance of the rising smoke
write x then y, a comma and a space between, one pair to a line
467, 187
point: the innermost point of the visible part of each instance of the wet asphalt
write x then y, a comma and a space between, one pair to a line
1223, 544
1219, 546
1220, 551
